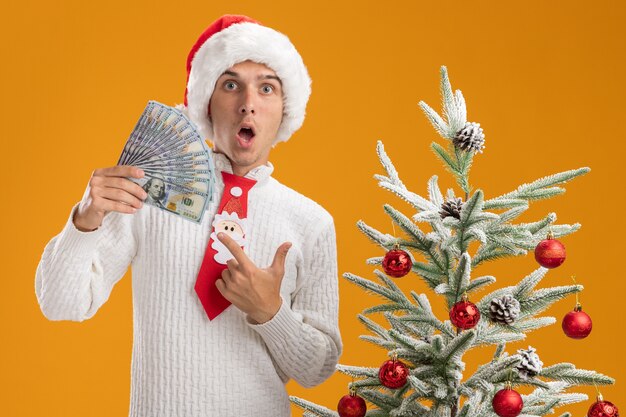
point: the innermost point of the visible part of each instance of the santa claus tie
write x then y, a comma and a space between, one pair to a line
230, 218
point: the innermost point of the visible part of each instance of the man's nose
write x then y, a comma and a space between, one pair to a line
248, 106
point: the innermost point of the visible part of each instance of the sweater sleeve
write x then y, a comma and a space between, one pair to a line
303, 336
78, 270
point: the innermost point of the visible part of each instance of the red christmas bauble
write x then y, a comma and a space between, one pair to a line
507, 403
351, 405
393, 374
464, 315
577, 324
603, 409
550, 253
397, 263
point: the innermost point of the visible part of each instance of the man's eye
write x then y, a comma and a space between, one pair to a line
229, 85
267, 88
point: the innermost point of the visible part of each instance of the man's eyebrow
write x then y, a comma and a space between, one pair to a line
265, 77
273, 77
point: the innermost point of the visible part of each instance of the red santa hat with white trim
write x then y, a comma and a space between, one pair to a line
232, 39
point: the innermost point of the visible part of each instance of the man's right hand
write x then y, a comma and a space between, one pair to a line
109, 190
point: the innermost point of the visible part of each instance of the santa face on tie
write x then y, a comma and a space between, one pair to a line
231, 224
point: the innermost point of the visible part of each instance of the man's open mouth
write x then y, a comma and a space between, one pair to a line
246, 133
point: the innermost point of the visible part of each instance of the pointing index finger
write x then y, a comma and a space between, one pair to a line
234, 248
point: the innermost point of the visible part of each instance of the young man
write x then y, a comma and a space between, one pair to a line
221, 322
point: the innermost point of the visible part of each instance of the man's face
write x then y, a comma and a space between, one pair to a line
246, 110
156, 189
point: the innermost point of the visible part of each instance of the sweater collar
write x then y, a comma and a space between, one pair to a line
260, 173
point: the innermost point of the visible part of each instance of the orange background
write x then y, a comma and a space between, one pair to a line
544, 79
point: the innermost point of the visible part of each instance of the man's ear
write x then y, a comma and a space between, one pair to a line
208, 112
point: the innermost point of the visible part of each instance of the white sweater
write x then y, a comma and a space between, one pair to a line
183, 364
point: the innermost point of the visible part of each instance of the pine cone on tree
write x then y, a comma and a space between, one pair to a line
531, 365
451, 208
470, 138
504, 310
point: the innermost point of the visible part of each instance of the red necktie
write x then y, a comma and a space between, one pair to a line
230, 218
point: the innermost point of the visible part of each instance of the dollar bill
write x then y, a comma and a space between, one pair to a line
178, 164
174, 198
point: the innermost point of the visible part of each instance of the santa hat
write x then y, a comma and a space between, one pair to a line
232, 39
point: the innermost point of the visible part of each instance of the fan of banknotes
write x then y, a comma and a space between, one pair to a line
178, 165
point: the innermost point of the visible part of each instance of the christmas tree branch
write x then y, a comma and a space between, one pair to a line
427, 210
368, 382
464, 160
414, 345
411, 406
415, 200
529, 282
358, 371
311, 407
471, 218
458, 162
430, 320
454, 351
420, 387
311, 414
459, 279
426, 245
383, 343
488, 371
380, 399
492, 335
551, 396
535, 227
373, 326
421, 241
437, 121
478, 283
430, 273
403, 326
545, 297
504, 203
528, 325
567, 372
434, 217
384, 240
454, 109
492, 252
393, 177
458, 166
440, 409
434, 193
453, 105
540, 188
376, 289
558, 230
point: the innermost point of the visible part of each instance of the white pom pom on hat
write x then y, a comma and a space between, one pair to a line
235, 38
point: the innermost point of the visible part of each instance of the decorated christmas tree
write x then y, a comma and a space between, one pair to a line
425, 373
